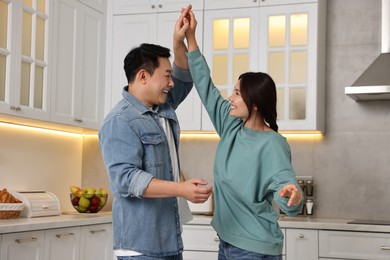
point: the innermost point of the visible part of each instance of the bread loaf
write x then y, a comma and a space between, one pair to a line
6, 197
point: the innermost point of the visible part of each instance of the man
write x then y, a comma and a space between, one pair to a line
139, 141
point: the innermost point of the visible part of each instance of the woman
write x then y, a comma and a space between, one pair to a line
252, 163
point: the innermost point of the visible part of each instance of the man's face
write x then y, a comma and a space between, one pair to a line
159, 84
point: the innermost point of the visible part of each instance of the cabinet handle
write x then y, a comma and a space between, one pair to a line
97, 231
160, 6
64, 235
301, 236
78, 120
216, 239
25, 240
385, 247
153, 6
18, 108
12, 107
15, 108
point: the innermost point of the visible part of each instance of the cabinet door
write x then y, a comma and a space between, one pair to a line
290, 53
98, 5
231, 45
200, 238
24, 68
78, 83
301, 244
23, 246
196, 255
62, 243
96, 242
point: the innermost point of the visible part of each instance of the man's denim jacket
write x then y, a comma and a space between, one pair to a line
135, 150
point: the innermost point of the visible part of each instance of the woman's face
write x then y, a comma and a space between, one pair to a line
238, 107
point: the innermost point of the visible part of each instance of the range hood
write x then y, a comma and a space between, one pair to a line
374, 83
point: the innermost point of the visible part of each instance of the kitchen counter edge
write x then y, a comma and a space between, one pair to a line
50, 222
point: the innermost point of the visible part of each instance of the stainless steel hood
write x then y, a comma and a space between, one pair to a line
374, 83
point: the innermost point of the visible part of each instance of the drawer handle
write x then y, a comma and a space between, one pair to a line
25, 240
78, 120
301, 236
385, 247
64, 235
97, 231
216, 239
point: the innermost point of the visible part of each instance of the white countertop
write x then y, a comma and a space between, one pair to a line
311, 223
67, 219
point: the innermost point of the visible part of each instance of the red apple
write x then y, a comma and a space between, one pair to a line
95, 201
93, 208
75, 201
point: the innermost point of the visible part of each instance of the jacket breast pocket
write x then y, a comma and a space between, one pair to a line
154, 151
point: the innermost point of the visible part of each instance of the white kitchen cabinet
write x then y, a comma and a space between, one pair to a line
130, 31
96, 242
292, 52
301, 244
200, 242
149, 6
78, 84
287, 41
225, 4
23, 246
25, 45
354, 245
62, 243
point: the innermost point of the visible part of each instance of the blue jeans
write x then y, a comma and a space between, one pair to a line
144, 257
230, 252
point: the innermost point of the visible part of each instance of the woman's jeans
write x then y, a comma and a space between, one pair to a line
144, 257
230, 252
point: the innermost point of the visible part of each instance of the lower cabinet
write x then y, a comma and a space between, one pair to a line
200, 242
354, 245
301, 244
73, 243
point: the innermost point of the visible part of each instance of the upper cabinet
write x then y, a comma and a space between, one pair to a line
154, 28
78, 71
285, 39
25, 44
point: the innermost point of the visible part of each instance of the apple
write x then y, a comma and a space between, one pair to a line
102, 201
75, 201
95, 201
79, 193
93, 208
103, 191
84, 202
89, 192
81, 209
98, 193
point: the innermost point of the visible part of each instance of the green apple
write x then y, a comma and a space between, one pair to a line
84, 202
81, 209
102, 201
89, 192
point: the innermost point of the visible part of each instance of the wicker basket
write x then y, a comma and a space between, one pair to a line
10, 210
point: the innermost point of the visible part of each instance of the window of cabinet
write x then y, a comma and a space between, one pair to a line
24, 58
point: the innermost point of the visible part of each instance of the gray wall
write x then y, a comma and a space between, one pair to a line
351, 164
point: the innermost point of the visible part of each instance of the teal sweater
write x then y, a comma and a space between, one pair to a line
250, 168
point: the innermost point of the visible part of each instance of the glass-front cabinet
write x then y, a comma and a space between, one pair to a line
286, 41
24, 46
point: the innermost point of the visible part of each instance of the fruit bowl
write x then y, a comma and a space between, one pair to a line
88, 200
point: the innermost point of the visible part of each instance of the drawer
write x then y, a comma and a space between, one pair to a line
196, 255
354, 245
200, 238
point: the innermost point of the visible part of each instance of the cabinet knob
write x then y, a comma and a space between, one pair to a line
216, 239
78, 120
153, 6
160, 6
301, 235
25, 240
18, 108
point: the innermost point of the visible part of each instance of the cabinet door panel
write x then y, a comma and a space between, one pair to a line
23, 246
301, 244
96, 242
63, 243
200, 238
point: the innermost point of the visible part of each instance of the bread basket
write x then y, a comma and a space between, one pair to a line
10, 210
